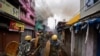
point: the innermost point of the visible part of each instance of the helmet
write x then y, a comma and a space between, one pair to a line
54, 37
28, 37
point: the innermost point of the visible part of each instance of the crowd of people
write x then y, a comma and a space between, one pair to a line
44, 44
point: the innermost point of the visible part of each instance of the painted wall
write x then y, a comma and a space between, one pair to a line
29, 14
90, 10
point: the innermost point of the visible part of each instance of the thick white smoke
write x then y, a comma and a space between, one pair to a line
63, 9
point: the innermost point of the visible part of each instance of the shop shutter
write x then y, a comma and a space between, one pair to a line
26, 32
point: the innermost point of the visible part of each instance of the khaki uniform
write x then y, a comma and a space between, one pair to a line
54, 48
42, 44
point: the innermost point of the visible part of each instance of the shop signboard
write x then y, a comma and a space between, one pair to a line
90, 3
16, 26
8, 8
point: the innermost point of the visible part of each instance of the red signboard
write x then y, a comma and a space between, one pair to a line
15, 26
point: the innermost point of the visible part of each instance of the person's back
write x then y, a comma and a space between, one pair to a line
54, 48
25, 46
21, 49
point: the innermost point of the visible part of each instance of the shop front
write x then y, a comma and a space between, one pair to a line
9, 31
10, 25
29, 30
86, 37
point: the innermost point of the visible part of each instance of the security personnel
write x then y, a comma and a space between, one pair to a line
37, 40
24, 47
52, 47
41, 43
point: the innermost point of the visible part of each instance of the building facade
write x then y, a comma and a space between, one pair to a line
27, 15
89, 7
83, 30
84, 33
13, 24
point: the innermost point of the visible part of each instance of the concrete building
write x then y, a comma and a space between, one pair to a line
13, 26
89, 7
84, 29
27, 15
10, 24
85, 37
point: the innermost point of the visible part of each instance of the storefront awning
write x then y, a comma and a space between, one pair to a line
74, 19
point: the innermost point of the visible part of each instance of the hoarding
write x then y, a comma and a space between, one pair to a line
16, 26
8, 8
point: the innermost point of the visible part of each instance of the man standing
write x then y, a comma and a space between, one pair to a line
52, 47
24, 47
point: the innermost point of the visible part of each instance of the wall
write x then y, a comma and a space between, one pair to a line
25, 33
91, 10
67, 41
27, 15
27, 12
91, 43
79, 43
88, 48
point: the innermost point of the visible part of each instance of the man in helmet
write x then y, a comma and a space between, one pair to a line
42, 40
52, 46
25, 46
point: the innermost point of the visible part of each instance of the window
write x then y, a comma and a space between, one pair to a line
31, 17
90, 3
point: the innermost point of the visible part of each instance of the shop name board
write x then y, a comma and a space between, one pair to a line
8, 8
15, 26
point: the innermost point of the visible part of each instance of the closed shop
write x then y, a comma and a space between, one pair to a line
6, 37
86, 39
29, 30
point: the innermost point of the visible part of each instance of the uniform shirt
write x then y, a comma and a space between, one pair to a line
54, 48
24, 48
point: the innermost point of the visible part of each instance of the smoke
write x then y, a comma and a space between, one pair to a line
63, 9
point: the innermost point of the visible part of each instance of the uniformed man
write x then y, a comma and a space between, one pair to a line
52, 47
24, 47
39, 42
42, 40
